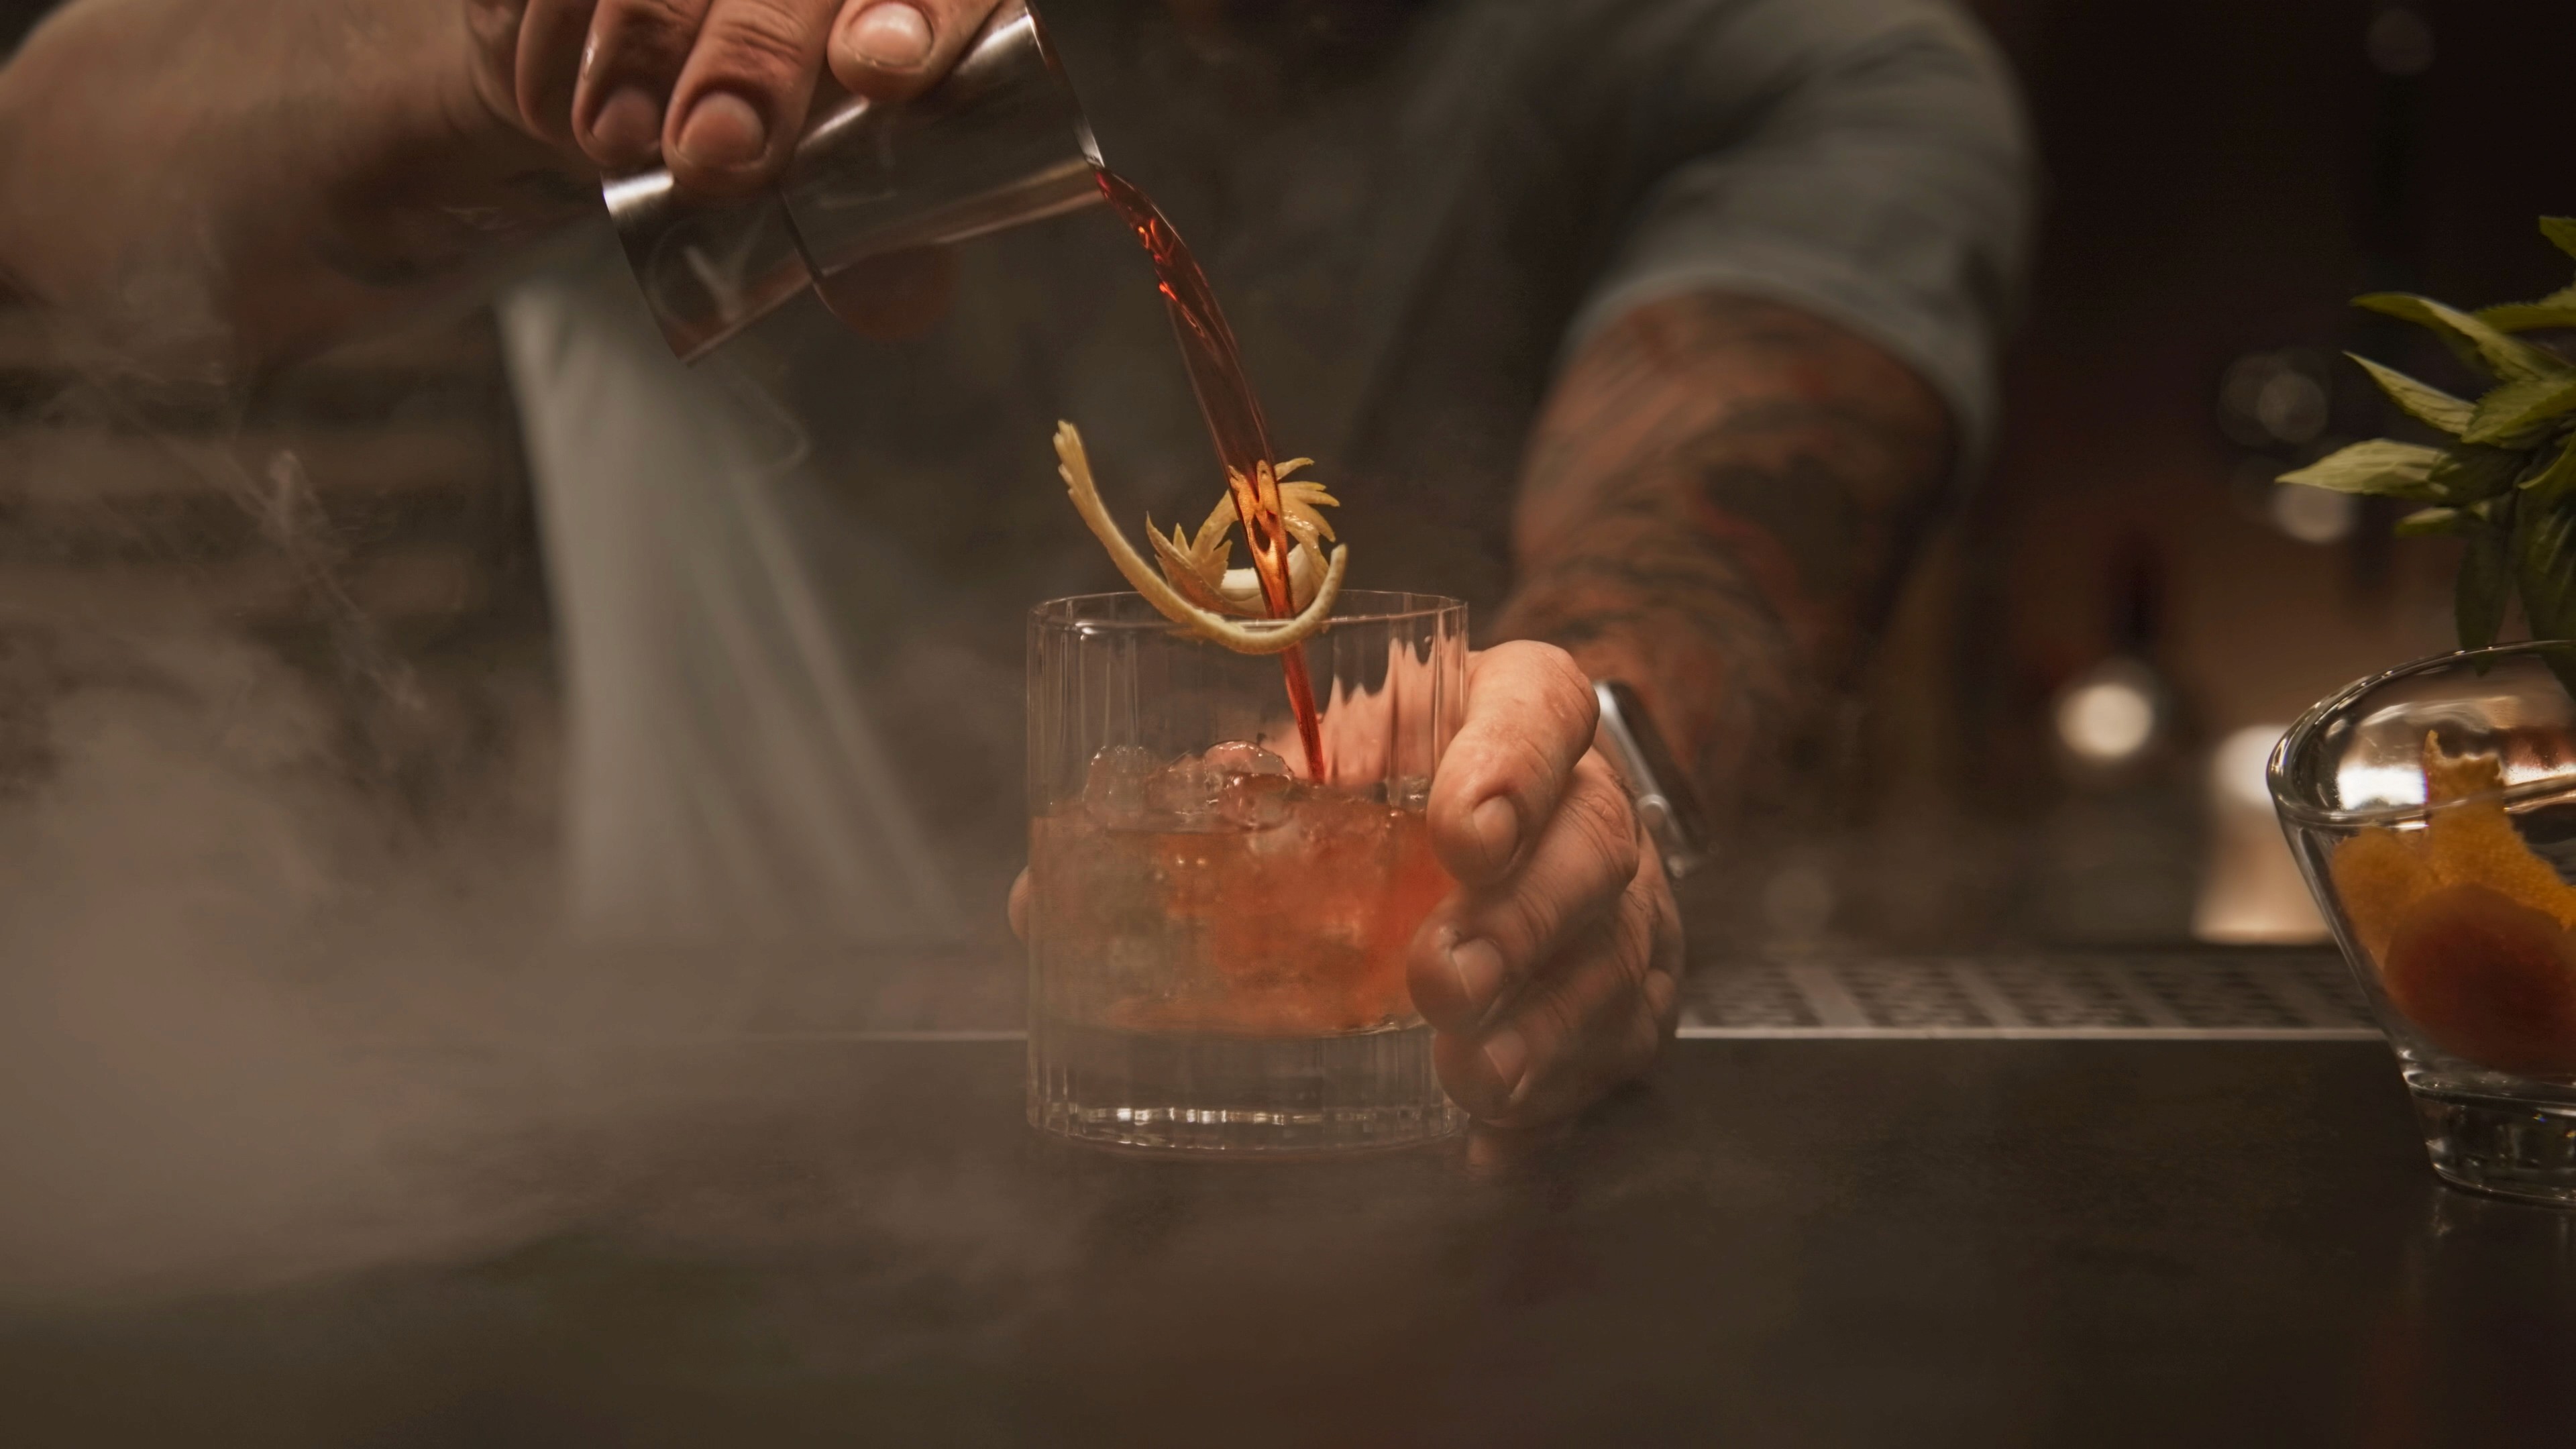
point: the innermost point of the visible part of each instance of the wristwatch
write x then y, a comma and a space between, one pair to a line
1660, 792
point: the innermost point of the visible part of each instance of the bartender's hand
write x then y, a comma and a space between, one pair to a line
1554, 973
716, 89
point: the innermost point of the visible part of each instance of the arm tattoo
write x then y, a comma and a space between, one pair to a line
1720, 498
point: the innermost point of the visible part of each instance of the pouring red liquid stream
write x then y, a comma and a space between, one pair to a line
1234, 421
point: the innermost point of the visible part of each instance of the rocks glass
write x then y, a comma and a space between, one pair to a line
1216, 937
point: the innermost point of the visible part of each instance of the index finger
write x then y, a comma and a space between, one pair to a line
1530, 714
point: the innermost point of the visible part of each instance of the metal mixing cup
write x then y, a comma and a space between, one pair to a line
999, 142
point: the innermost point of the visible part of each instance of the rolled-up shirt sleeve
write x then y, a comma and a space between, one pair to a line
1864, 159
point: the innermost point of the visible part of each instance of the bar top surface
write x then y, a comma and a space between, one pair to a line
1815, 1242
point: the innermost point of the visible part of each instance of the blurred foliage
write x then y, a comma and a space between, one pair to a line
2504, 481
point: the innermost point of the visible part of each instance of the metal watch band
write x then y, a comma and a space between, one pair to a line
1662, 795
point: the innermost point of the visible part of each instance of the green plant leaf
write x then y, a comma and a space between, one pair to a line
2529, 316
2545, 573
2509, 358
2411, 309
2545, 569
2561, 230
2520, 414
2469, 473
2396, 470
2552, 483
2485, 583
2432, 523
2558, 309
2422, 401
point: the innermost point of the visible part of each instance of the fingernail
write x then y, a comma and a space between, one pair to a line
1508, 1056
1478, 966
895, 36
1498, 827
723, 131
629, 122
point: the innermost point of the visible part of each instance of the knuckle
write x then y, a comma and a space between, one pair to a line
1527, 758
1520, 765
1569, 687
1599, 811
1520, 924
1551, 1022
1434, 981
763, 43
1540, 906
1563, 689
647, 30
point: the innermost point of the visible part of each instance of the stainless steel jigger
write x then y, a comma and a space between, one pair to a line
999, 142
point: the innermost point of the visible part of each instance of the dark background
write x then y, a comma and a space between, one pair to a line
2220, 179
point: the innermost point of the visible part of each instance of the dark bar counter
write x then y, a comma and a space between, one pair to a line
1780, 1241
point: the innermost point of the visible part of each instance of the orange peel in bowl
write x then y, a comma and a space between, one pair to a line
2469, 927
2378, 874
2470, 840
2486, 978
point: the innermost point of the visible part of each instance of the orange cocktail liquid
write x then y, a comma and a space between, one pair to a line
1295, 929
1234, 422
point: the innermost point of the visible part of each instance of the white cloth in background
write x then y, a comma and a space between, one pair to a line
725, 781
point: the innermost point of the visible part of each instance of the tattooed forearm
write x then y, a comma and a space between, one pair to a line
1720, 499
296, 171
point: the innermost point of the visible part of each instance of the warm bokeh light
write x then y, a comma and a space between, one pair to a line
2110, 716
2251, 892
2237, 766
2313, 515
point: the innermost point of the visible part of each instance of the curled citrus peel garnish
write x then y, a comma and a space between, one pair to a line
1195, 589
1196, 565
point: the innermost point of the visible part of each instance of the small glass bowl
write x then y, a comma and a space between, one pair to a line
2452, 914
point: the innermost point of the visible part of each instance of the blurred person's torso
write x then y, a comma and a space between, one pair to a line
1401, 207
